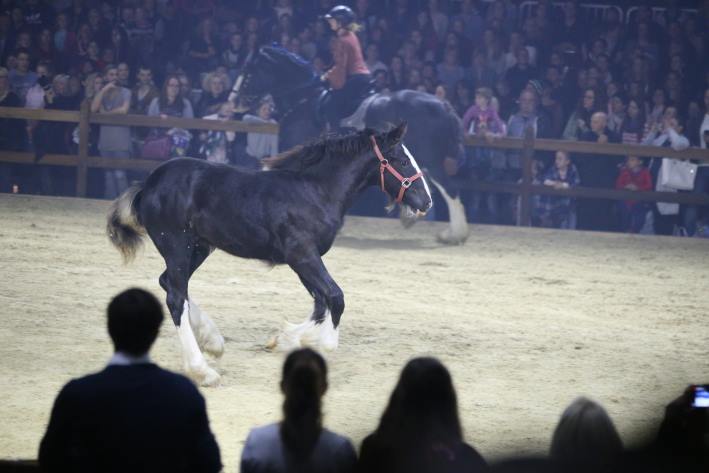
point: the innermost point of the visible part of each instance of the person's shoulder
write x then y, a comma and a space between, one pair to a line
334, 438
265, 433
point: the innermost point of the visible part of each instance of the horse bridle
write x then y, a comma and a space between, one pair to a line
385, 166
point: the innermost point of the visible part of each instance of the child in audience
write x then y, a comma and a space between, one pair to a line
559, 211
634, 176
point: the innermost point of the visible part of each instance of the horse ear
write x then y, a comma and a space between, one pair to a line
397, 134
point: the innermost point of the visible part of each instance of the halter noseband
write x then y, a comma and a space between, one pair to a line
385, 166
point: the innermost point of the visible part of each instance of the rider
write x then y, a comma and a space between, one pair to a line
349, 77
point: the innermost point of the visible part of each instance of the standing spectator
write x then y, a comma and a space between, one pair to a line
419, 429
114, 141
132, 415
22, 78
299, 443
260, 145
597, 171
215, 144
559, 211
585, 439
696, 217
669, 135
144, 91
634, 176
12, 131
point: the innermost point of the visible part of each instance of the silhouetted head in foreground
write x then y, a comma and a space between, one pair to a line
134, 319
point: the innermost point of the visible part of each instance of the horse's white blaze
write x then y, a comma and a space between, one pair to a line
206, 332
416, 166
195, 364
329, 335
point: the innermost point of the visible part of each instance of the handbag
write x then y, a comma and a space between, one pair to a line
677, 174
157, 147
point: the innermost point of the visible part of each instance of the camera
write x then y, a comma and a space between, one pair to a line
700, 399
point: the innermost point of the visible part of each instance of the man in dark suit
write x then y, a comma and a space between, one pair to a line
132, 416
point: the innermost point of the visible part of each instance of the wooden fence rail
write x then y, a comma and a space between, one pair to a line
525, 146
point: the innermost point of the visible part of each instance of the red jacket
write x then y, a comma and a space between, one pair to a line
641, 179
348, 60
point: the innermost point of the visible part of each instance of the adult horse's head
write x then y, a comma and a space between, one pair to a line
399, 174
272, 70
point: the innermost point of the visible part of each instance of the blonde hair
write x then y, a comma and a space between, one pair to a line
206, 82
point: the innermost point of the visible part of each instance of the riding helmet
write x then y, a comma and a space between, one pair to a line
341, 13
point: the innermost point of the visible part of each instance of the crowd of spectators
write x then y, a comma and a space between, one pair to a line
136, 416
567, 74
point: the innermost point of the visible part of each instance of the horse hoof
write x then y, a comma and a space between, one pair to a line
211, 378
215, 346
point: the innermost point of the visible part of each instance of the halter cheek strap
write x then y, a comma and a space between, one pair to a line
385, 166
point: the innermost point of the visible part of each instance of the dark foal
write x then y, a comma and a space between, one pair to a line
289, 214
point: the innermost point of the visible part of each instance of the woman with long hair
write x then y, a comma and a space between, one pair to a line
580, 120
299, 443
420, 430
633, 127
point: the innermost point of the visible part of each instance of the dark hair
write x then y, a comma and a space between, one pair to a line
134, 318
163, 101
422, 410
304, 382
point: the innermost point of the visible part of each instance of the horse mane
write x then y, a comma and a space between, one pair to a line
312, 157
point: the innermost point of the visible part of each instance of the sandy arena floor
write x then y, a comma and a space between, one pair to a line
526, 319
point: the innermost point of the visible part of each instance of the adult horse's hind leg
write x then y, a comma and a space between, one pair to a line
179, 254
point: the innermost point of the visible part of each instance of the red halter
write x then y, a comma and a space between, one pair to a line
385, 166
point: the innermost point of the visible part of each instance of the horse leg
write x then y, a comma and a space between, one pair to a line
175, 281
328, 296
206, 332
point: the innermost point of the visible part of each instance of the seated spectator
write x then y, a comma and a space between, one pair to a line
299, 443
481, 119
215, 91
132, 415
634, 176
419, 430
234, 55
259, 145
585, 439
580, 120
114, 141
522, 72
632, 129
616, 113
171, 102
559, 211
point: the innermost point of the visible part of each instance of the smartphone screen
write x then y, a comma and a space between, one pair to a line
701, 396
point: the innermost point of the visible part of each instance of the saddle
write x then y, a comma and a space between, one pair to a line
349, 111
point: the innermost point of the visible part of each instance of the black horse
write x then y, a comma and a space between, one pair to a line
434, 130
289, 214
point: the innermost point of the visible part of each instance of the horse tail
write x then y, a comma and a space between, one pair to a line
123, 226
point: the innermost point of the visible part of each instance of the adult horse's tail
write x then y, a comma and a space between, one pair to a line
123, 225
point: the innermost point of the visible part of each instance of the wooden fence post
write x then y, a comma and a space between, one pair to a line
526, 191
82, 164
